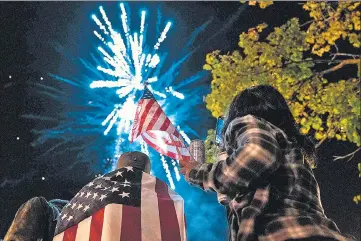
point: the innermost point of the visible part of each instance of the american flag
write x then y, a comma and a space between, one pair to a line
157, 130
124, 205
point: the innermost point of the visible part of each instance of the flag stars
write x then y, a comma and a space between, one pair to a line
64, 216
79, 206
115, 189
129, 169
73, 205
119, 173
95, 195
102, 197
98, 186
82, 193
105, 188
126, 183
90, 184
70, 218
86, 208
88, 194
124, 194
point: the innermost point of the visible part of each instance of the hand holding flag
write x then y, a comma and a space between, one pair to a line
186, 167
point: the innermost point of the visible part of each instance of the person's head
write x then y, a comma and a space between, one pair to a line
134, 159
264, 101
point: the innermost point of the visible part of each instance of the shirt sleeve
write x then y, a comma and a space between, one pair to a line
254, 156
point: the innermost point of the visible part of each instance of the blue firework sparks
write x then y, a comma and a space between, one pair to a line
131, 65
97, 107
127, 60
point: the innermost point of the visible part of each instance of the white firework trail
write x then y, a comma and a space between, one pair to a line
166, 168
130, 63
183, 134
176, 171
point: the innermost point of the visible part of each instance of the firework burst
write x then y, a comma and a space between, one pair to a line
96, 109
131, 64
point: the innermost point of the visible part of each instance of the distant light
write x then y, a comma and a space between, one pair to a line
90, 102
17, 138
41, 78
43, 178
10, 76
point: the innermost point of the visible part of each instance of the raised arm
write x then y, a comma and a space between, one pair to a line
254, 155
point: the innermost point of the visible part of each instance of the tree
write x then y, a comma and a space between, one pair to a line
303, 61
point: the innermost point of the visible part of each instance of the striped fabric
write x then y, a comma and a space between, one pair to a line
124, 205
271, 193
157, 130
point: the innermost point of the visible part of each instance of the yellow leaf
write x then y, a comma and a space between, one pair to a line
264, 4
260, 27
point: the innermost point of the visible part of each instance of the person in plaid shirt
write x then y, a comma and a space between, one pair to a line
266, 179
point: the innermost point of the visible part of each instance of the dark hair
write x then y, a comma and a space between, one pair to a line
136, 159
264, 101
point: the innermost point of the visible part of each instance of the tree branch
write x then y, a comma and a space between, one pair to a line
340, 65
316, 61
306, 23
320, 142
323, 139
350, 155
345, 54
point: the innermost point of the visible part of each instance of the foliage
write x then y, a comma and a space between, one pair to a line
323, 107
262, 4
329, 25
300, 60
211, 148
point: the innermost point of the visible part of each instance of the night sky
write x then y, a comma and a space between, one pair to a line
31, 33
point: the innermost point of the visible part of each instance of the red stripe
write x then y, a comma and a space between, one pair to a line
96, 225
167, 141
166, 152
176, 133
70, 233
168, 217
155, 118
131, 224
158, 149
165, 125
144, 115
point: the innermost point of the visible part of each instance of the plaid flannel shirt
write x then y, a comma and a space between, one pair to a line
271, 193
